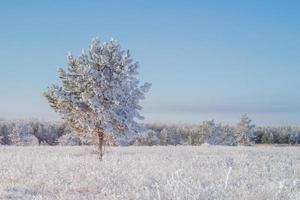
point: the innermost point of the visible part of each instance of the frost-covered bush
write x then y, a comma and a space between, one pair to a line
46, 132
29, 140
30, 132
16, 132
70, 139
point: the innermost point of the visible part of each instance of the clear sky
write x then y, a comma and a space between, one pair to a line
205, 59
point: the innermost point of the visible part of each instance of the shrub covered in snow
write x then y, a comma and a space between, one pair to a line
30, 132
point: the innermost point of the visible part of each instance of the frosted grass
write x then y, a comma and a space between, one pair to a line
181, 172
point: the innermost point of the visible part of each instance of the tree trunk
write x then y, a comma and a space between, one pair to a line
100, 136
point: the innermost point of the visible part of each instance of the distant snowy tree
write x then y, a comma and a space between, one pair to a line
4, 134
216, 134
15, 136
175, 136
245, 131
267, 137
163, 137
100, 93
228, 136
211, 132
153, 139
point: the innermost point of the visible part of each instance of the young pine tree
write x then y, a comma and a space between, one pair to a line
245, 131
100, 93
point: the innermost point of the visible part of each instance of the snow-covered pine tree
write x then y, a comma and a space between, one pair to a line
100, 92
245, 131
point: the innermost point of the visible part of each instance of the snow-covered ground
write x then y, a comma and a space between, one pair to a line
181, 172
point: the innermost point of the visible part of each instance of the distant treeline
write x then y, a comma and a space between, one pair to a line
34, 132
218, 134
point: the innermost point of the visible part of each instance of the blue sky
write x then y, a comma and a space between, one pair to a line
205, 59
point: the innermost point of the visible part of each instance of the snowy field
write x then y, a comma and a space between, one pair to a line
150, 173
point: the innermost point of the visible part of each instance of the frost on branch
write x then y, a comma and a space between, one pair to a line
100, 92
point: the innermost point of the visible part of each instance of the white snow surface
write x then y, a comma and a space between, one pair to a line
170, 172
